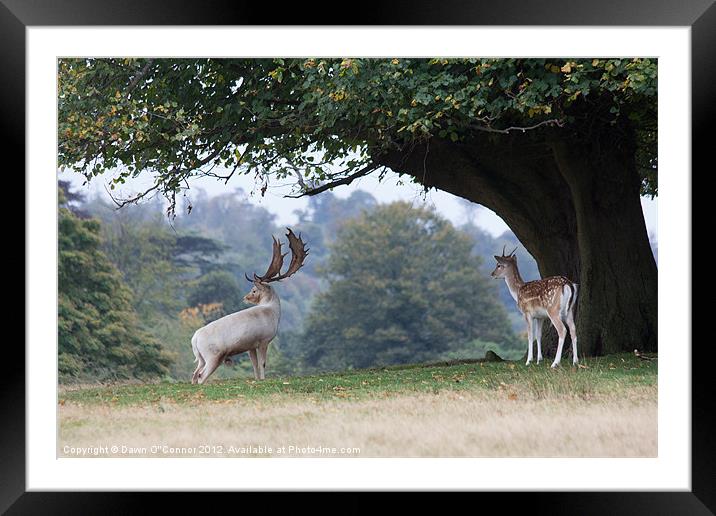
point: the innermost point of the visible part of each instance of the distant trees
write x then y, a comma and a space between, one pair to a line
218, 287
99, 334
188, 272
242, 227
144, 253
403, 287
383, 284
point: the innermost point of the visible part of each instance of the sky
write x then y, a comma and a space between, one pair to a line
390, 189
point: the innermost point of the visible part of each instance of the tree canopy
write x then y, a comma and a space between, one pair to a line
327, 121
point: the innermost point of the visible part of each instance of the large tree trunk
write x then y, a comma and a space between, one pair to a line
588, 227
618, 271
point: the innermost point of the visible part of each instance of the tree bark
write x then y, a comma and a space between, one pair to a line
577, 215
618, 271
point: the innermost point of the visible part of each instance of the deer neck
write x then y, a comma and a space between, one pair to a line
514, 282
271, 300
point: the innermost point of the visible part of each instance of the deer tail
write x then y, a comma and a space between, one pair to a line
573, 287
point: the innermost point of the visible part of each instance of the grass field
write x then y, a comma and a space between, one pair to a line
605, 408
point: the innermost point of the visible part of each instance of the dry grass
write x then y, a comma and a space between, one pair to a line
448, 423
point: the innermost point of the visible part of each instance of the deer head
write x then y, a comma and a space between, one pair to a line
505, 263
273, 273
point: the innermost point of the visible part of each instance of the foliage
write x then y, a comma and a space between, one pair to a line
323, 119
174, 333
404, 287
243, 229
98, 330
71, 199
144, 253
218, 288
199, 253
187, 251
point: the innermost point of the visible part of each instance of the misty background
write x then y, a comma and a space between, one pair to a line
183, 272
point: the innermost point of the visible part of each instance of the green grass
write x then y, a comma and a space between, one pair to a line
610, 375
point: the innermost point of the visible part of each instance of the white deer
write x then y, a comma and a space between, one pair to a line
550, 298
251, 329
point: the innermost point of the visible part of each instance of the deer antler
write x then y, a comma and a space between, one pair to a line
298, 255
503, 253
276, 262
274, 267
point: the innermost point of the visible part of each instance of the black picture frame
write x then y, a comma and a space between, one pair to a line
700, 15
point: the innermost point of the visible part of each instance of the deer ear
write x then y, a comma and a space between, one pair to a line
496, 257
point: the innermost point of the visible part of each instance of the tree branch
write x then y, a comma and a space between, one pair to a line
343, 181
121, 203
552, 121
138, 77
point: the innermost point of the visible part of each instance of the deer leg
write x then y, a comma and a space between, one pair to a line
573, 336
263, 350
199, 367
211, 364
530, 337
562, 333
538, 335
254, 362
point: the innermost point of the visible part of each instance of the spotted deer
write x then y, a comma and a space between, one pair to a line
550, 298
251, 329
